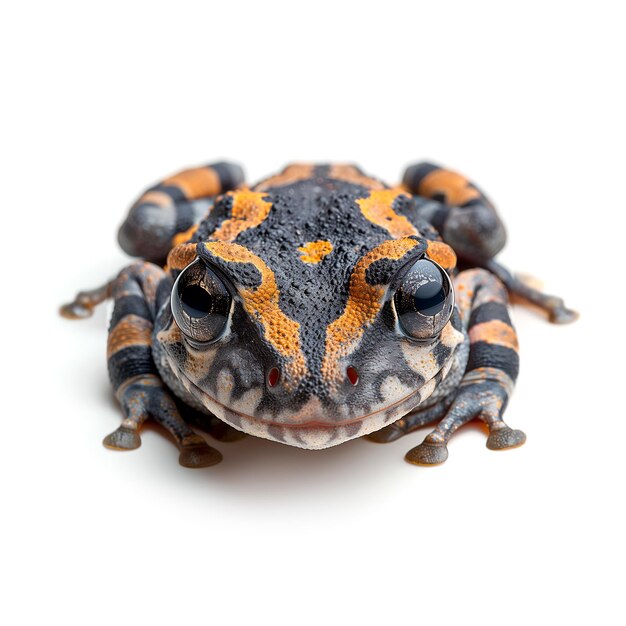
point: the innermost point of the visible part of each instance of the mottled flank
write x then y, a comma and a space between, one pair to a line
316, 306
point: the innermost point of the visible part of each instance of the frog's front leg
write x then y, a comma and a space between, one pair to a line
138, 292
491, 370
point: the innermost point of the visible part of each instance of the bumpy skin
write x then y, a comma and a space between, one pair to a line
312, 354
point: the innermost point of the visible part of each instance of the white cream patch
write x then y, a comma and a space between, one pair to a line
225, 385
393, 389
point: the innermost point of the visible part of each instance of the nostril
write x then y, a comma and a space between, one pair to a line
353, 375
273, 376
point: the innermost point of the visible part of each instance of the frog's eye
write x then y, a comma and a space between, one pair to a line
200, 303
424, 301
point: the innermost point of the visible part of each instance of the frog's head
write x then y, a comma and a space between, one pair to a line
311, 359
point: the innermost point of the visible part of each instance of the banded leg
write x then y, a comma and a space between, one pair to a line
463, 215
167, 213
467, 220
491, 370
138, 292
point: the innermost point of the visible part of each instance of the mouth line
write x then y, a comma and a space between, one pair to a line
310, 425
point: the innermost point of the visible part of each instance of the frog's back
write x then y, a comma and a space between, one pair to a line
312, 215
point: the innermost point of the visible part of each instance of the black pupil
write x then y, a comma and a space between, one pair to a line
430, 298
196, 301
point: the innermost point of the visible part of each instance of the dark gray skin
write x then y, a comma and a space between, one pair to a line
312, 309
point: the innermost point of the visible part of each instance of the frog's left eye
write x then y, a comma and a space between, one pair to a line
200, 303
424, 301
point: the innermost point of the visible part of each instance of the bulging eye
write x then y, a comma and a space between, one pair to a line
200, 303
424, 301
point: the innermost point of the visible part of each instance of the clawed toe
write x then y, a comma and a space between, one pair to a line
505, 438
122, 439
427, 453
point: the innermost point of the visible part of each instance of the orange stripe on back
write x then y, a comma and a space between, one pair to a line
378, 209
249, 210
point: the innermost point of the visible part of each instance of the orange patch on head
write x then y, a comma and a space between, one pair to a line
291, 174
249, 210
494, 332
315, 251
378, 209
364, 303
181, 256
455, 188
351, 174
441, 253
262, 304
198, 182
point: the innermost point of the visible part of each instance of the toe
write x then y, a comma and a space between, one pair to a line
199, 455
75, 311
505, 438
122, 439
427, 453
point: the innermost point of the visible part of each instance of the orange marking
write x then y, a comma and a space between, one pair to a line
198, 182
291, 174
364, 303
181, 256
494, 332
262, 303
441, 253
351, 174
185, 236
315, 251
453, 186
249, 210
377, 208
158, 198
131, 330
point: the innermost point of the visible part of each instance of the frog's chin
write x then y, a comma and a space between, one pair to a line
310, 432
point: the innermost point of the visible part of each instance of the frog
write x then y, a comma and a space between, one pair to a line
314, 307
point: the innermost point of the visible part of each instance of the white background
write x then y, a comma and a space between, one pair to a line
97, 103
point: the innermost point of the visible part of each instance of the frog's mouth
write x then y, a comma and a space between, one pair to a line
310, 432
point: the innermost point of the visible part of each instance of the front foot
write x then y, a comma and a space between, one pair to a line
146, 396
483, 398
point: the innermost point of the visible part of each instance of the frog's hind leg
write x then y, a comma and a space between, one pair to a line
138, 292
86, 301
167, 213
491, 370
554, 306
469, 222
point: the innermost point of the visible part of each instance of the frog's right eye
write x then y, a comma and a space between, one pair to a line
200, 303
